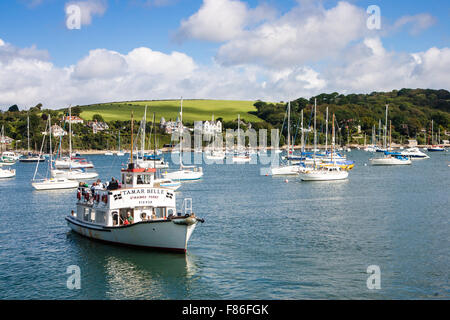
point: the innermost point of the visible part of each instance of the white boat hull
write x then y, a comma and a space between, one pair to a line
241, 159
4, 174
183, 175
321, 175
55, 184
389, 162
163, 234
74, 165
285, 170
73, 175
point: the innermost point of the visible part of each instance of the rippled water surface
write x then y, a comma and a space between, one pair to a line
264, 238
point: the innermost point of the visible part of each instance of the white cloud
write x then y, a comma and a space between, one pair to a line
27, 77
100, 63
89, 8
417, 23
221, 20
306, 33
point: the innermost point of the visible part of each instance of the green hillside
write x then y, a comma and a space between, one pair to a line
193, 110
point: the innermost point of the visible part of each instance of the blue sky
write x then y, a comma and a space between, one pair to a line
409, 30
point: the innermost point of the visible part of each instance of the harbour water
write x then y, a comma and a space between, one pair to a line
264, 238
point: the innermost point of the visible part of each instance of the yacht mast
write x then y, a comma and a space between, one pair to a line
28, 132
326, 132
432, 136
132, 137
315, 134
70, 135
385, 135
181, 132
144, 124
332, 139
303, 145
289, 130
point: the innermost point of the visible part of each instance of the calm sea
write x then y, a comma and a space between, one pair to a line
264, 238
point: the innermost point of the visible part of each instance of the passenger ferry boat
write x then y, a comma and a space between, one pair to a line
102, 214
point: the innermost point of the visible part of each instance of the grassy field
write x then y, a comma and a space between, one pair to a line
193, 110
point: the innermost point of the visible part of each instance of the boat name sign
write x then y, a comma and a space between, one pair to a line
142, 197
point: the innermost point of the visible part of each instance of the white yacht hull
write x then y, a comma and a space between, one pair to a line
183, 175
241, 159
61, 164
389, 162
73, 175
162, 234
55, 184
320, 175
285, 170
4, 174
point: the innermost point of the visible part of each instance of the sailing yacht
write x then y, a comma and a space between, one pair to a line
289, 168
186, 173
29, 158
215, 154
324, 173
239, 156
390, 158
435, 147
73, 168
51, 183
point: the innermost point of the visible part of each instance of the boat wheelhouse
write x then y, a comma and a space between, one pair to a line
136, 212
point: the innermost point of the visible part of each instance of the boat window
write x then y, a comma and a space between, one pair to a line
115, 216
160, 212
139, 179
86, 214
100, 217
93, 215
128, 179
170, 212
147, 179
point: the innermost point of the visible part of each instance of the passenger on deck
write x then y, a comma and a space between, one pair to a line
113, 185
129, 218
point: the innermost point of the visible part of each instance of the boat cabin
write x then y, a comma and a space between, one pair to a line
136, 195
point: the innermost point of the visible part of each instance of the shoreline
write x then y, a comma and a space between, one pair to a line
296, 147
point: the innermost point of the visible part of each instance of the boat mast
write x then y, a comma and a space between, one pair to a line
239, 133
379, 133
70, 135
50, 135
390, 135
132, 137
303, 145
154, 137
326, 132
144, 124
385, 134
432, 137
315, 133
181, 133
289, 131
332, 139
28, 132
